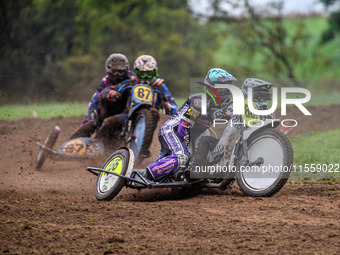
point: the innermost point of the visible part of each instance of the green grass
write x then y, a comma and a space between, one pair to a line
317, 98
44, 111
324, 98
180, 101
320, 148
50, 110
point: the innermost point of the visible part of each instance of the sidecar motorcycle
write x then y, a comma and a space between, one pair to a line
137, 132
259, 148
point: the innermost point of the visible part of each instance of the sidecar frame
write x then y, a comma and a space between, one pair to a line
88, 143
144, 183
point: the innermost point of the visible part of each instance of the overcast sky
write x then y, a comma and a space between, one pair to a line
299, 6
290, 6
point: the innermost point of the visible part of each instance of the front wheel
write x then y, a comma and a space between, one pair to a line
141, 134
268, 178
44, 150
108, 185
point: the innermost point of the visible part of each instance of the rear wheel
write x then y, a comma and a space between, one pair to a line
49, 143
108, 185
268, 178
141, 134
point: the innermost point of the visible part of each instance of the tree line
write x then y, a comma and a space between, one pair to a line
55, 50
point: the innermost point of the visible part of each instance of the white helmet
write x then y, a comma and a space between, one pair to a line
145, 67
261, 91
145, 63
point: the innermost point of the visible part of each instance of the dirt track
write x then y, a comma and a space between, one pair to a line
54, 211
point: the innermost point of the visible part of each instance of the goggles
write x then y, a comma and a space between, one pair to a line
118, 72
262, 95
146, 74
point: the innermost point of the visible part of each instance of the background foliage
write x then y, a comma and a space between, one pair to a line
54, 50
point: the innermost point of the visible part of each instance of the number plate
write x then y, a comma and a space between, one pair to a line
115, 166
143, 93
249, 117
75, 148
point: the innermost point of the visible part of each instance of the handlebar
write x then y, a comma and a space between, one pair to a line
162, 98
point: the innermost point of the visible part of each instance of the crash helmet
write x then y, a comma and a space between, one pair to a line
145, 67
261, 91
220, 76
116, 67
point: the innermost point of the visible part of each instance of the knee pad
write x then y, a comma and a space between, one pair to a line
182, 160
93, 115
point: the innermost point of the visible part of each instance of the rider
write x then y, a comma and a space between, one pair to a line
174, 134
117, 68
145, 67
261, 94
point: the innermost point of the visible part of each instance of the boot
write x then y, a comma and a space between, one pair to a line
85, 131
107, 133
162, 167
144, 173
147, 154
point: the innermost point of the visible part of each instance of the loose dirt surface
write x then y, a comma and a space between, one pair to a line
54, 210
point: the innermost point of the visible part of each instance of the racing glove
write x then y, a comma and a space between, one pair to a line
219, 113
114, 96
222, 113
170, 107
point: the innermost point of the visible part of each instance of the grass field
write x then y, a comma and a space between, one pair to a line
44, 111
316, 155
50, 110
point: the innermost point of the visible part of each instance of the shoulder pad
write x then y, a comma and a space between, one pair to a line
157, 82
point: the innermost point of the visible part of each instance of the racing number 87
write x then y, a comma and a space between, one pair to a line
143, 93
74, 148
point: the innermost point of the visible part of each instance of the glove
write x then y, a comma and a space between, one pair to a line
170, 108
167, 107
219, 113
114, 96
223, 112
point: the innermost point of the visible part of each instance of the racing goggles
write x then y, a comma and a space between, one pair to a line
261, 95
146, 74
118, 72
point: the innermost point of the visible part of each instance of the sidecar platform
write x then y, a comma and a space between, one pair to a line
139, 182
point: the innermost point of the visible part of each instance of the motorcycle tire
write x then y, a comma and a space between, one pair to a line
49, 143
277, 153
108, 185
141, 134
